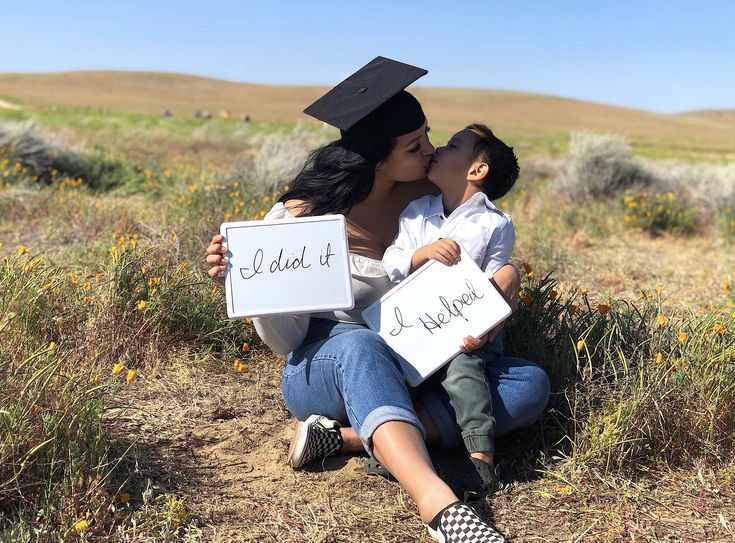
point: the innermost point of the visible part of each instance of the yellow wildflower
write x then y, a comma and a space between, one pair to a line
720, 328
22, 250
662, 319
563, 489
683, 336
141, 305
74, 278
124, 497
118, 368
87, 286
47, 286
52, 346
585, 291
581, 345
131, 376
81, 526
154, 291
659, 358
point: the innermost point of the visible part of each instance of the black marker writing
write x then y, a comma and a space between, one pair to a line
278, 265
324, 260
257, 262
453, 309
401, 324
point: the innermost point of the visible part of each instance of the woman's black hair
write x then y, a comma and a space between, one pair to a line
337, 176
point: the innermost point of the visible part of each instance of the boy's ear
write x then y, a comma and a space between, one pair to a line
478, 172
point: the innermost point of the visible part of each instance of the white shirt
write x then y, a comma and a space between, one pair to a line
485, 232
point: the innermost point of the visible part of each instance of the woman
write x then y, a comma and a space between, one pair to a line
341, 379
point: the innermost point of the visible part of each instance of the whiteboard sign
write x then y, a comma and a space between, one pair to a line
287, 266
425, 318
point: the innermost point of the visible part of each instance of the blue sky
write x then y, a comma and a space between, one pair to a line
664, 56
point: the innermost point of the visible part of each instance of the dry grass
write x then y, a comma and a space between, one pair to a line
219, 440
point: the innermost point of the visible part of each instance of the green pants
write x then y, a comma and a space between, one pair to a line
466, 383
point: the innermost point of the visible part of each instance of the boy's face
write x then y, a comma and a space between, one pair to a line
453, 162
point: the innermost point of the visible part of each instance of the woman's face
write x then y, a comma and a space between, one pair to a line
410, 158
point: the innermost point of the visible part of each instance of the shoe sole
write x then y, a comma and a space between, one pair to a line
298, 442
436, 535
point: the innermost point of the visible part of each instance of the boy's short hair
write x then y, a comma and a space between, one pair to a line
501, 159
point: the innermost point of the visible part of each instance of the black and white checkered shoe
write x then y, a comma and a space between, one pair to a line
458, 523
316, 437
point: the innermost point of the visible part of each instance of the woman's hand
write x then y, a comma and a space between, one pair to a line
508, 281
216, 258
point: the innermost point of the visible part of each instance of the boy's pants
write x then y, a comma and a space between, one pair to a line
466, 383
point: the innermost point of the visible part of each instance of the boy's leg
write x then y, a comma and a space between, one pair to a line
466, 383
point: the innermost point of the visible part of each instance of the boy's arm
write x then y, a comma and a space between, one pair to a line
500, 247
444, 250
397, 257
497, 255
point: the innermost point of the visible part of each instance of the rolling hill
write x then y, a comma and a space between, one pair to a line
512, 113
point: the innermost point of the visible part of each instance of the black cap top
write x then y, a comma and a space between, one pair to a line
371, 104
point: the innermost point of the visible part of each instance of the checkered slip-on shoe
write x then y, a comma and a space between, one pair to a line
458, 523
316, 437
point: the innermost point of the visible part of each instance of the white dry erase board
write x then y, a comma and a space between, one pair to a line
287, 266
426, 317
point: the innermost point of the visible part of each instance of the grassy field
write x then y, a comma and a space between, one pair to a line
133, 410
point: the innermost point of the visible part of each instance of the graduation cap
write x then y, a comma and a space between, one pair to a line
371, 105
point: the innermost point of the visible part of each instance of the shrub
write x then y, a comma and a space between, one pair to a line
25, 154
279, 158
658, 212
601, 167
634, 385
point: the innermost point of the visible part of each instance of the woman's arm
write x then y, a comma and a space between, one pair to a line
282, 333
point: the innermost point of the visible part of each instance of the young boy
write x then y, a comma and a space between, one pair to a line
474, 168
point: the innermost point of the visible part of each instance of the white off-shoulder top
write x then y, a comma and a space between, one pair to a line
283, 333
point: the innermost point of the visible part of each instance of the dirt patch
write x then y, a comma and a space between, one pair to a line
219, 440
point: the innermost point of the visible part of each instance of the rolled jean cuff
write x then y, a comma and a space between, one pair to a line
445, 423
478, 442
381, 415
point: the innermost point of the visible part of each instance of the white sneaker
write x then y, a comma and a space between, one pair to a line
316, 437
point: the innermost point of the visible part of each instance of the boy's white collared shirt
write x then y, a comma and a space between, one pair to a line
485, 232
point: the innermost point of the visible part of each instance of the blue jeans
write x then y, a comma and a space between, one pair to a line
348, 373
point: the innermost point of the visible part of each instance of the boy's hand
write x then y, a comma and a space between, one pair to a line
445, 251
472, 343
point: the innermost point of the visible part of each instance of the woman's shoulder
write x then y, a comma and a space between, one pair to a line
286, 210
